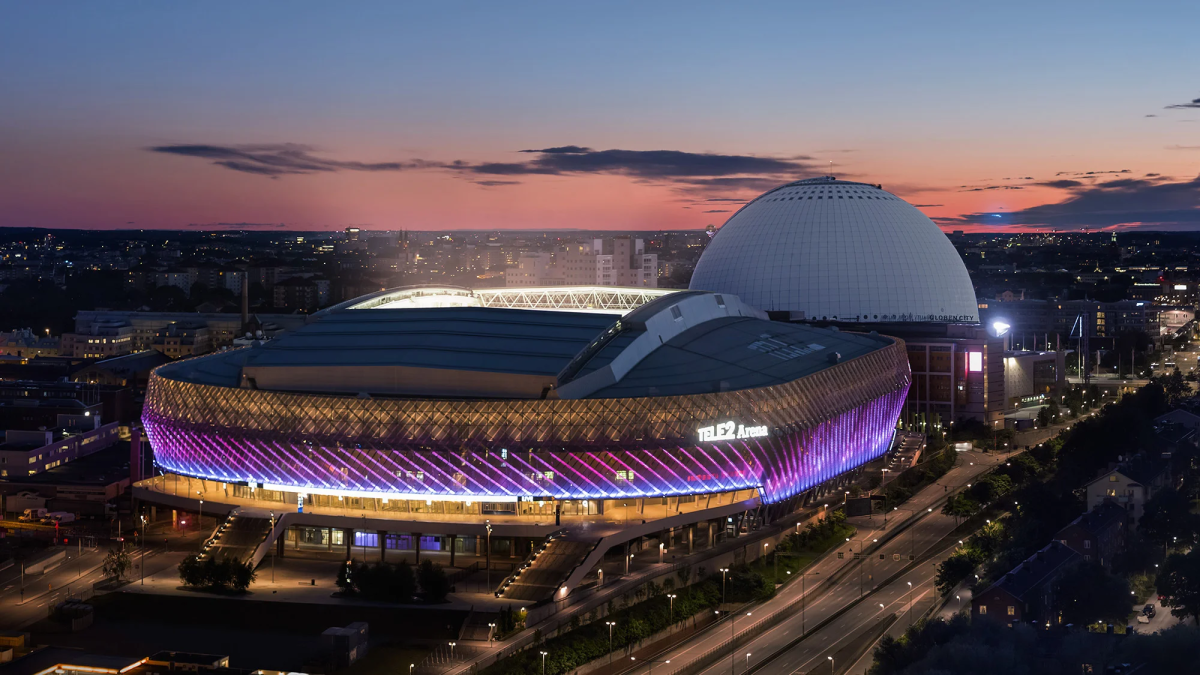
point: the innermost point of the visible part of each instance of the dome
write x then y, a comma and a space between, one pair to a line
838, 251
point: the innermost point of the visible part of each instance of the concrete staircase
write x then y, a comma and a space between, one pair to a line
545, 570
240, 538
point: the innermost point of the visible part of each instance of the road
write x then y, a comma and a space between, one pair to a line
818, 601
22, 605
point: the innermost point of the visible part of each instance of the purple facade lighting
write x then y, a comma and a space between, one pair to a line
816, 428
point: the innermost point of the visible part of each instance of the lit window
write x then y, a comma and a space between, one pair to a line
983, 609
1012, 610
975, 362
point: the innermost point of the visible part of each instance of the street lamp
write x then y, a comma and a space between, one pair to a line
543, 662
610, 625
724, 571
143, 565
804, 597
487, 553
831, 668
491, 631
272, 552
671, 615
746, 667
200, 524
410, 668
910, 603
732, 655
452, 644
860, 566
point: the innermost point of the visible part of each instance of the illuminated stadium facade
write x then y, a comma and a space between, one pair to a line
691, 394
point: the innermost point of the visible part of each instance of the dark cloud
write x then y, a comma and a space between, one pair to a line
926, 206
1183, 147
714, 210
1151, 115
562, 150
650, 164
697, 174
1149, 201
279, 159
1062, 183
981, 188
1194, 104
1089, 173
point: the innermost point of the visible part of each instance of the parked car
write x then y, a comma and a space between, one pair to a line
1150, 610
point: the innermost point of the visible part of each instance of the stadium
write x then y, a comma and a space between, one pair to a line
690, 394
579, 420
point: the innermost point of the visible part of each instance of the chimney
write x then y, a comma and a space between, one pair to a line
245, 299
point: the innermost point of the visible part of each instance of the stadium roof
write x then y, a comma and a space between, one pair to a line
683, 343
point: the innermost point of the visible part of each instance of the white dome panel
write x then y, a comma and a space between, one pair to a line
837, 250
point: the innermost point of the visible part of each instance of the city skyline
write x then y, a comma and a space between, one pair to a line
551, 118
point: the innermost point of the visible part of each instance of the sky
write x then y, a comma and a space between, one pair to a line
615, 115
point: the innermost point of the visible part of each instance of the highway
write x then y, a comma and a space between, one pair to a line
817, 601
22, 605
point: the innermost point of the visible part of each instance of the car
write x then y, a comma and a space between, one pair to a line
1149, 610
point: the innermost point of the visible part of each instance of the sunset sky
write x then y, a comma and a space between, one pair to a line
447, 115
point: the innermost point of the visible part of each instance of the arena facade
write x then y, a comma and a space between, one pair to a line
690, 394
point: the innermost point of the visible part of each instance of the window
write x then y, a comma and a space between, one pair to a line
1012, 610
676, 314
975, 362
983, 609
1087, 543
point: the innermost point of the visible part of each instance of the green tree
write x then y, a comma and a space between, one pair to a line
116, 564
1179, 581
960, 506
1043, 418
434, 583
1168, 520
1089, 594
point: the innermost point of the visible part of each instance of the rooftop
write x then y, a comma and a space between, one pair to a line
682, 343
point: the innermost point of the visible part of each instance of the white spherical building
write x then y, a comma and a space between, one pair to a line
831, 250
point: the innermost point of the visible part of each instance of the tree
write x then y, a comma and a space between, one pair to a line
1089, 594
960, 506
1180, 583
1168, 519
116, 564
433, 581
1043, 418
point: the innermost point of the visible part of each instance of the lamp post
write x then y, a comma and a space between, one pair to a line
487, 553
910, 603
732, 634
410, 668
610, 625
831, 666
724, 571
911, 547
491, 631
272, 552
200, 524
671, 614
543, 662
143, 565
804, 597
452, 645
746, 665
661, 548
860, 565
